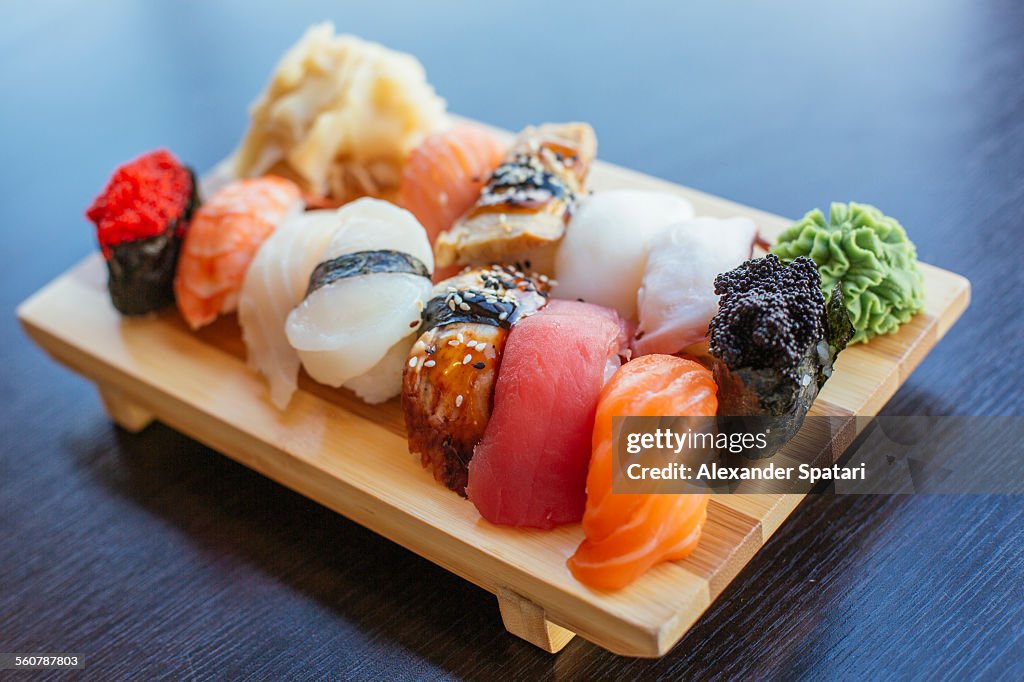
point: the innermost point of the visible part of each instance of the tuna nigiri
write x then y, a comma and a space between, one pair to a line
626, 534
442, 178
530, 469
225, 234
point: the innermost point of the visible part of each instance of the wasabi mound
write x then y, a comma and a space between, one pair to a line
869, 253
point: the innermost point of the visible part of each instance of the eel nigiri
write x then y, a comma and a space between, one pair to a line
601, 259
677, 298
275, 282
449, 377
223, 238
442, 178
530, 469
528, 200
626, 534
364, 298
141, 217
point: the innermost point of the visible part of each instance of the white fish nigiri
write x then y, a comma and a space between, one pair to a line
364, 299
677, 298
274, 283
601, 258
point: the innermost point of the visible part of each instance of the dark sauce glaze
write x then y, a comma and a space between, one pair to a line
498, 296
530, 181
522, 182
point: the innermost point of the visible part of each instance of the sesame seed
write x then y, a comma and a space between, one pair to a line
412, 361
461, 338
452, 342
429, 363
479, 365
458, 400
464, 306
451, 304
466, 359
503, 316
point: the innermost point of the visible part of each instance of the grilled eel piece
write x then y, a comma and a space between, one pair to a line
524, 207
448, 381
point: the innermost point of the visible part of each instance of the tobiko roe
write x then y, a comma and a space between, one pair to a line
141, 217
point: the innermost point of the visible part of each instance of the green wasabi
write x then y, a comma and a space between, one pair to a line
869, 253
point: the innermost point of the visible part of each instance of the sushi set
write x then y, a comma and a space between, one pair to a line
429, 326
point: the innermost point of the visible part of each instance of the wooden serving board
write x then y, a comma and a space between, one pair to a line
352, 457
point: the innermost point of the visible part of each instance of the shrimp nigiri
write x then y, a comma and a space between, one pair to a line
626, 534
442, 177
224, 236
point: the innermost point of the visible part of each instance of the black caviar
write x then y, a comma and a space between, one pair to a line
769, 313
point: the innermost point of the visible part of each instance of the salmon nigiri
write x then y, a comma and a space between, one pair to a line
222, 240
626, 534
442, 178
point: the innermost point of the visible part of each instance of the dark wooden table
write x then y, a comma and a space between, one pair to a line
152, 555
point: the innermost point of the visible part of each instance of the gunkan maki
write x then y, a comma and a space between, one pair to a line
774, 340
140, 219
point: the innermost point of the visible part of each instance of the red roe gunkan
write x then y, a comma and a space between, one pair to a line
141, 217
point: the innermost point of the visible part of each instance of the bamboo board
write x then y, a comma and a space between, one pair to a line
353, 458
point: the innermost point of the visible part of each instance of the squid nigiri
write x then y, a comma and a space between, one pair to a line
449, 378
225, 233
601, 259
626, 534
677, 298
275, 282
442, 178
364, 298
530, 469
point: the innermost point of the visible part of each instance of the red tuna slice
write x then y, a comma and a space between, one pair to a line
530, 468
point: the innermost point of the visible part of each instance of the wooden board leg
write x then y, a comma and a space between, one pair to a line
526, 620
126, 413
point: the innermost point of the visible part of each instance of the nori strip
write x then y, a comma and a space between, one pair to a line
839, 330
141, 272
437, 312
364, 263
749, 392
